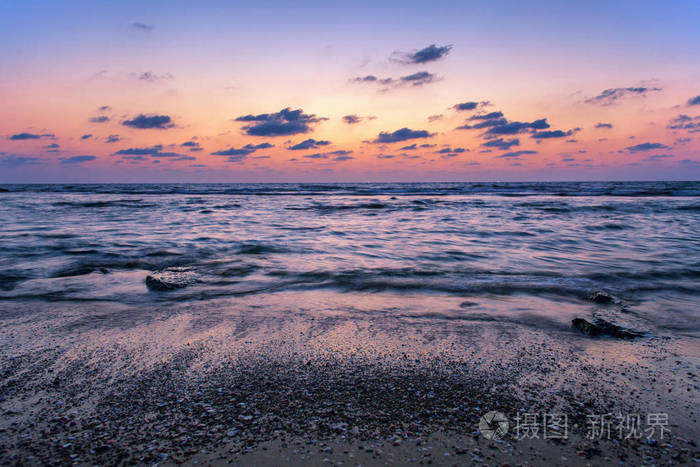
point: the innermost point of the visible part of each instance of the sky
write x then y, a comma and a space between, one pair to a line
324, 91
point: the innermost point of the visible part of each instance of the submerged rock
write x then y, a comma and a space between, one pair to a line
601, 297
4, 190
170, 279
601, 327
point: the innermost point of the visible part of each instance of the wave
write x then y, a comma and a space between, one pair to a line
568, 189
127, 203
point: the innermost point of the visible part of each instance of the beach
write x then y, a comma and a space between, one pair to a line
379, 327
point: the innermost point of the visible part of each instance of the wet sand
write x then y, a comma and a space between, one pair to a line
205, 382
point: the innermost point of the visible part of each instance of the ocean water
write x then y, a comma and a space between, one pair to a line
526, 253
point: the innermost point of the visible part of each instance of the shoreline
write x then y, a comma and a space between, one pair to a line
165, 389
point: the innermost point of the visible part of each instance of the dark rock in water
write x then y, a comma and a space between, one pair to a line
585, 327
601, 327
4, 190
170, 279
601, 297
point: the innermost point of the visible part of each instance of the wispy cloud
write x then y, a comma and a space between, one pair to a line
685, 122
13, 160
139, 26
239, 154
646, 147
419, 78
425, 55
515, 154
657, 157
614, 95
75, 160
155, 151
152, 77
308, 144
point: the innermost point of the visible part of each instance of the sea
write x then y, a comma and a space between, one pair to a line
530, 254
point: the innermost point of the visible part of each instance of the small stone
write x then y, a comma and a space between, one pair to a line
601, 297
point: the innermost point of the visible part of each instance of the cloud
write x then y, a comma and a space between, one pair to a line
239, 154
148, 122
448, 150
76, 160
512, 128
52, 146
245, 150
612, 95
656, 157
694, 100
141, 151
419, 79
385, 156
685, 122
100, 119
193, 146
283, 123
551, 134
515, 154
401, 135
152, 151
500, 143
488, 120
411, 147
428, 54
343, 157
471, 105
340, 155
434, 118
352, 119
606, 126
139, 26
365, 79
112, 139
24, 136
15, 161
308, 144
646, 147
104, 108
488, 116
152, 77
86, 136
416, 79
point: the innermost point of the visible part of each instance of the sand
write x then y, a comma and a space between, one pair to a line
99, 383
